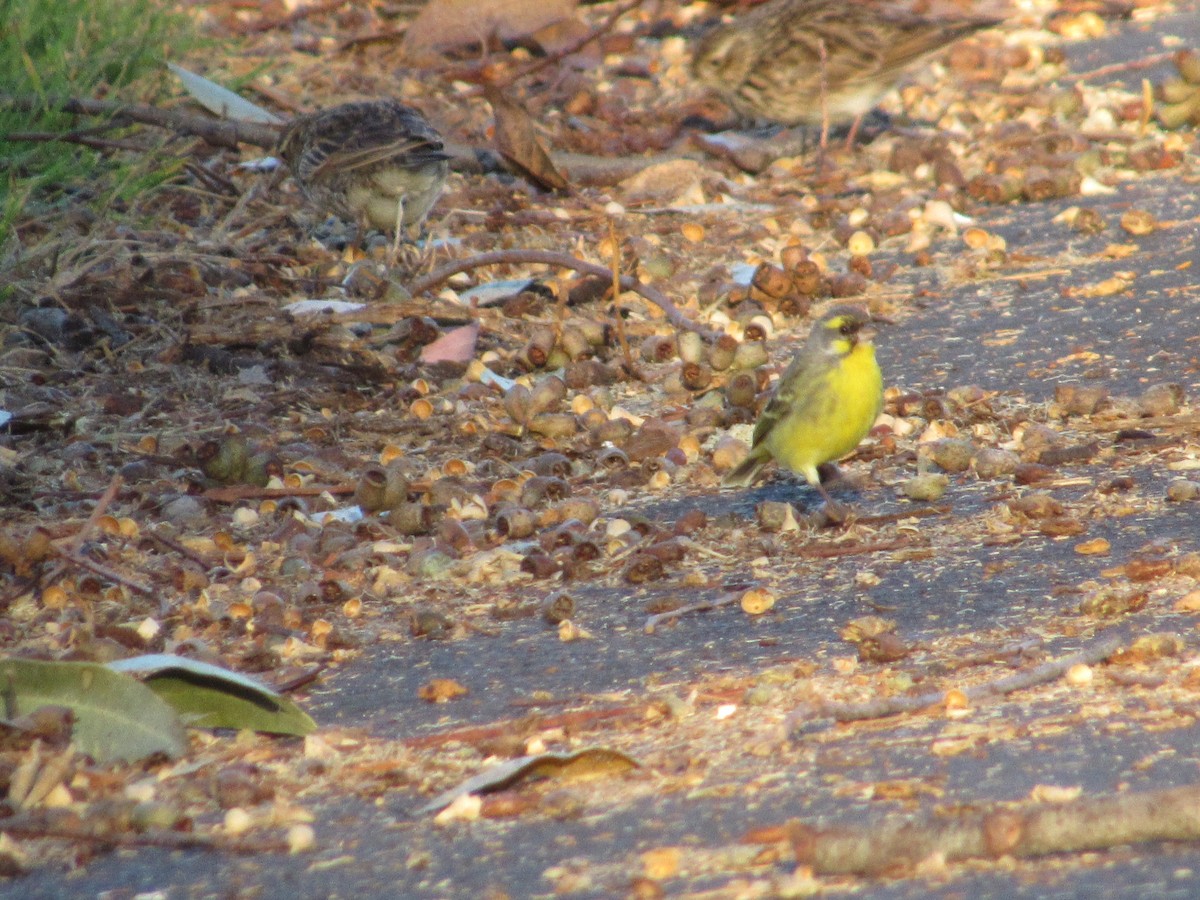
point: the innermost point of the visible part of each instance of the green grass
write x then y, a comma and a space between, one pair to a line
53, 49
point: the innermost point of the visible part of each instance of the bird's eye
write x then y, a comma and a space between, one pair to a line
846, 329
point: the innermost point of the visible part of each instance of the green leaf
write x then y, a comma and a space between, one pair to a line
207, 696
116, 716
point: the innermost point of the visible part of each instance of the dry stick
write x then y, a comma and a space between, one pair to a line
654, 621
575, 46
98, 510
1134, 65
890, 706
563, 261
616, 293
219, 132
31, 828
104, 571
1038, 830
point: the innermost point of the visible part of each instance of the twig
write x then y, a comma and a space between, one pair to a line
219, 132
250, 492
177, 547
574, 47
1133, 65
652, 622
564, 261
1096, 823
103, 571
891, 706
98, 510
835, 551
31, 828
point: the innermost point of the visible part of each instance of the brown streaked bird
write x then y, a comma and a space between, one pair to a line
377, 163
819, 62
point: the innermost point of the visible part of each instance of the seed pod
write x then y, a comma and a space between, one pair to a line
515, 522
690, 347
658, 348
536, 353
574, 343
794, 254
553, 425
369, 492
696, 376
613, 459
547, 394
593, 419
722, 353
582, 509
558, 607
517, 402
750, 355
453, 534
772, 281
759, 328
1175, 90
539, 564
585, 550
542, 488
742, 390
551, 464
643, 567
690, 522
1188, 63
412, 518
994, 188
614, 431
808, 279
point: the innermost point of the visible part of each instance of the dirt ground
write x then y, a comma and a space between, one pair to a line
1004, 321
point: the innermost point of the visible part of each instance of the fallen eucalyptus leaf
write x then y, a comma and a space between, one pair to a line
591, 762
116, 716
221, 101
208, 696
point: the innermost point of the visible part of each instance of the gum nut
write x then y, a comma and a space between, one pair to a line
928, 487
728, 453
860, 244
949, 454
691, 347
993, 462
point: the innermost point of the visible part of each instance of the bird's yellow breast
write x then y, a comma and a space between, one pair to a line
842, 408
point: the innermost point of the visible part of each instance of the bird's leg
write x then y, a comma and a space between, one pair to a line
836, 513
850, 138
399, 230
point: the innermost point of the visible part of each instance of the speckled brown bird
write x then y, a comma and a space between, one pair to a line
378, 163
819, 62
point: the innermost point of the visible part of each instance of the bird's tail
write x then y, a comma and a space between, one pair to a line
745, 473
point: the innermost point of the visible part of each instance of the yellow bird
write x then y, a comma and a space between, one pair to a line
824, 404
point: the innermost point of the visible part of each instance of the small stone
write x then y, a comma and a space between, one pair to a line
926, 487
183, 511
949, 454
1181, 490
995, 463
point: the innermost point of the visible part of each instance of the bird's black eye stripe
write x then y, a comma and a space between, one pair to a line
847, 328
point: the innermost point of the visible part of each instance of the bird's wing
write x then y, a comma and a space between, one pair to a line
795, 394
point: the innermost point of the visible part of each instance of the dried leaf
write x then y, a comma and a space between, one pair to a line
517, 142
587, 763
456, 345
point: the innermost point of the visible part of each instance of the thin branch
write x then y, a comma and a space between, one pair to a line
219, 132
563, 261
1032, 830
104, 572
882, 707
652, 622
